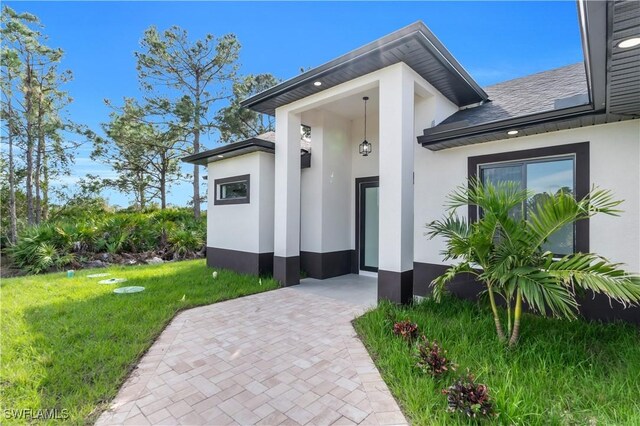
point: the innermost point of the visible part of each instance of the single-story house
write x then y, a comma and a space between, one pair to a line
328, 205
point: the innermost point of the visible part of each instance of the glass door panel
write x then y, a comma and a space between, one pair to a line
369, 227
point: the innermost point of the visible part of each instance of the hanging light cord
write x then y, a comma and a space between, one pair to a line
366, 98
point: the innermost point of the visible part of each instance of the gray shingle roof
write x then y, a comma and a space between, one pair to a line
267, 136
271, 137
536, 93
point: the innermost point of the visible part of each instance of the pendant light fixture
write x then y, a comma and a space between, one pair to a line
365, 147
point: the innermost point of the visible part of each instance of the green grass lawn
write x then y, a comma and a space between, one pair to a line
69, 343
565, 373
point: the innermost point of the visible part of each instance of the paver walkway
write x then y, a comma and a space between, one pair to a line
280, 357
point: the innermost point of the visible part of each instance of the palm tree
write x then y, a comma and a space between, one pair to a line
505, 251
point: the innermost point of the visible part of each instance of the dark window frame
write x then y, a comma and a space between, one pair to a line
217, 201
580, 151
360, 183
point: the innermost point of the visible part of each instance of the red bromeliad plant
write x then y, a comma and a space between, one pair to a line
432, 358
468, 397
406, 329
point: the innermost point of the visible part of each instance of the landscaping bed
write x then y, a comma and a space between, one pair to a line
94, 239
69, 343
561, 372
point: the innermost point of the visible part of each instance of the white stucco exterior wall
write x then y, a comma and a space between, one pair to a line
243, 227
336, 169
266, 196
325, 185
614, 158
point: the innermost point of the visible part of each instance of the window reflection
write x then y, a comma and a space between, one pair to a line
542, 178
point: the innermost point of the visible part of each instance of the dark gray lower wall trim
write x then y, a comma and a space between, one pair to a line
326, 265
240, 261
465, 286
395, 286
597, 308
286, 270
265, 264
355, 266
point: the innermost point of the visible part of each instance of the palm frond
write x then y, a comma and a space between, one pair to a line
550, 215
592, 272
441, 281
452, 226
456, 231
542, 290
499, 198
554, 212
600, 201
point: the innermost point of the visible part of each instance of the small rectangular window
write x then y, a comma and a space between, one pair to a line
543, 177
232, 190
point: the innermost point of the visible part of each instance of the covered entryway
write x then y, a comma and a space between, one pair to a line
350, 212
356, 289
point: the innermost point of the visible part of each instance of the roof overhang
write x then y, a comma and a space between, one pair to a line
623, 65
613, 80
228, 151
526, 126
592, 17
415, 45
241, 148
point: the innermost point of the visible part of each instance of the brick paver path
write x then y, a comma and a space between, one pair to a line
280, 357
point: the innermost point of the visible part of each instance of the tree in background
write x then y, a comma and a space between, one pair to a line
10, 66
236, 122
193, 76
50, 148
81, 199
31, 105
143, 153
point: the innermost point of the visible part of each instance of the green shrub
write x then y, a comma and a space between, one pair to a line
41, 248
55, 244
185, 242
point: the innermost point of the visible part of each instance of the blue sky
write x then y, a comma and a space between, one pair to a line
494, 41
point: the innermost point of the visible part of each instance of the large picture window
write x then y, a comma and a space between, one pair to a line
232, 190
542, 171
542, 177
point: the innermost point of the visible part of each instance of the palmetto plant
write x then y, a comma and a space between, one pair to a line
185, 242
82, 234
505, 251
40, 248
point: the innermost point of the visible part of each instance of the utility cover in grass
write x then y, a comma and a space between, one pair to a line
127, 290
97, 275
112, 281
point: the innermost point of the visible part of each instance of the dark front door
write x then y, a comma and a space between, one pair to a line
367, 227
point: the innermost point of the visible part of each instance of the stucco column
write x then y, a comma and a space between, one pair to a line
395, 273
286, 260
